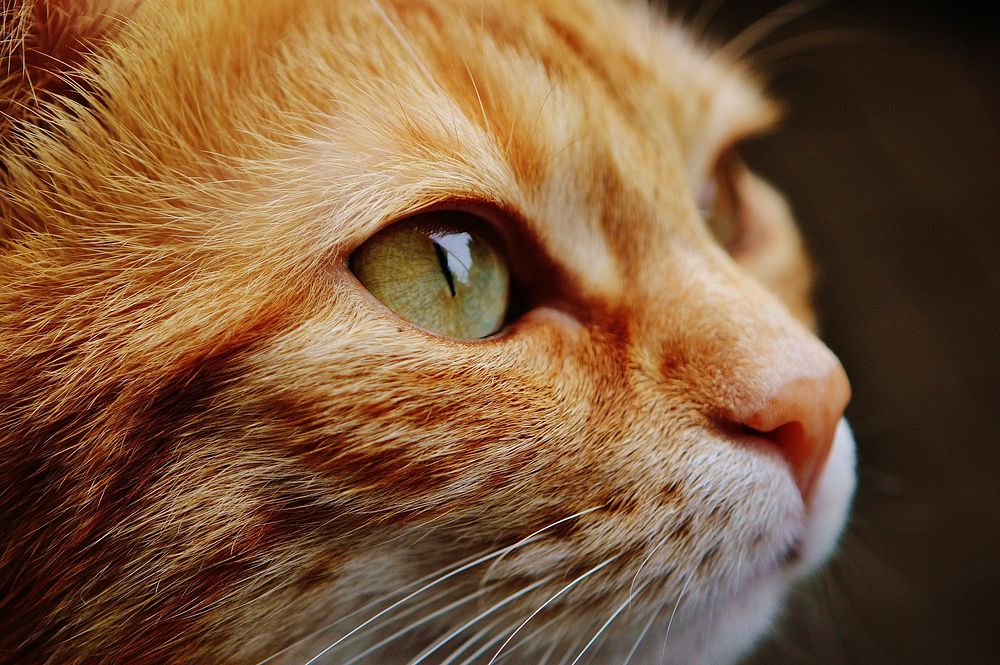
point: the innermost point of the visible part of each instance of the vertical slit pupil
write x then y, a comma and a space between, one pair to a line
442, 256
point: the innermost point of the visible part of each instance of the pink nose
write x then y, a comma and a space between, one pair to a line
800, 418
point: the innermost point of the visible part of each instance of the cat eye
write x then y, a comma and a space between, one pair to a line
720, 203
442, 271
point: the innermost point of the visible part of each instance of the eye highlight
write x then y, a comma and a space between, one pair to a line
442, 271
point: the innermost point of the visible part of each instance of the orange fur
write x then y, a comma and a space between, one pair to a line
215, 442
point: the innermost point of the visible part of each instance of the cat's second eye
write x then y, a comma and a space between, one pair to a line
441, 271
719, 201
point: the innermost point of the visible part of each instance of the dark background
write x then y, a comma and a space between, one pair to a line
890, 156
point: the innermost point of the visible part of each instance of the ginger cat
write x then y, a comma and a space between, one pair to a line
397, 331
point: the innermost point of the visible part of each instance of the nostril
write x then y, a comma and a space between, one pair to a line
804, 454
786, 437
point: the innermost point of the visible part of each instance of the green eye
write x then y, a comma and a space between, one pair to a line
441, 271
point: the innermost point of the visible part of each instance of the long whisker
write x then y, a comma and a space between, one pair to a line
482, 615
611, 618
550, 600
419, 591
421, 621
702, 19
757, 31
414, 609
645, 629
529, 637
493, 565
436, 578
487, 629
478, 635
646, 560
673, 612
764, 59
484, 648
369, 606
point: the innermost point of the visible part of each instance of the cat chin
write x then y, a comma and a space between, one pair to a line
749, 616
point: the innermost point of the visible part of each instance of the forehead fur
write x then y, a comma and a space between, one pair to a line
534, 109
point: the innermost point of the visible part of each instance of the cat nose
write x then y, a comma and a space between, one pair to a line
799, 417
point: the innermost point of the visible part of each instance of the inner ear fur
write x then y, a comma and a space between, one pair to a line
44, 44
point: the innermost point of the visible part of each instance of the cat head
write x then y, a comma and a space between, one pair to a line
241, 421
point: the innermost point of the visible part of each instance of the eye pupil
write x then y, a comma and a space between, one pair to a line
442, 256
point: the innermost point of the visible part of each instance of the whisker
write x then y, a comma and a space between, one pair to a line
482, 615
757, 31
419, 622
436, 578
493, 565
673, 612
646, 560
645, 629
766, 58
368, 606
405, 613
419, 591
478, 635
484, 648
530, 636
552, 598
702, 19
548, 654
611, 618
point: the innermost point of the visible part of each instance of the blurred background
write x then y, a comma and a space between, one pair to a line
890, 156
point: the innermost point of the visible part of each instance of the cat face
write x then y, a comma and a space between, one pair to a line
223, 446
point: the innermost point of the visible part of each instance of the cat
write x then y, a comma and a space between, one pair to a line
440, 331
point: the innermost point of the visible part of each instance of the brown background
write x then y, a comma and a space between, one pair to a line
890, 155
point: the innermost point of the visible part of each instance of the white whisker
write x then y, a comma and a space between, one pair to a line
611, 618
493, 565
552, 598
642, 635
419, 591
404, 614
646, 560
530, 636
419, 622
368, 606
462, 567
484, 648
482, 615
673, 612
478, 635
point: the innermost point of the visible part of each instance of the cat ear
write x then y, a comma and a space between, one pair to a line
44, 46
